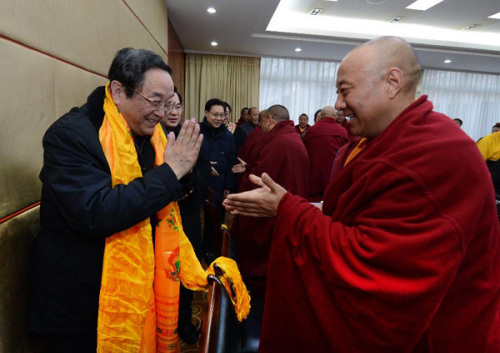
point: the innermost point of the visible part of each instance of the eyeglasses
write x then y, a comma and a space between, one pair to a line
168, 106
215, 115
179, 108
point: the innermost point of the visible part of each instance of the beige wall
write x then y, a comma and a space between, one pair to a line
52, 55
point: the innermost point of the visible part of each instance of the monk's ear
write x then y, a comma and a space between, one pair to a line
118, 92
394, 82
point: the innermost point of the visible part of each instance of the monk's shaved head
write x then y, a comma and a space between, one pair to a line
328, 111
385, 53
376, 81
278, 112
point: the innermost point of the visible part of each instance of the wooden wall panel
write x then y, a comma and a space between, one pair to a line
40, 90
86, 33
176, 59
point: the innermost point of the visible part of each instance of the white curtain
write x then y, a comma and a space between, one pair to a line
472, 97
303, 86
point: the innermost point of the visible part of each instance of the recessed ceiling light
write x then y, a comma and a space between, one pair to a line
214, 43
316, 12
211, 10
298, 50
471, 27
495, 16
332, 0
396, 19
447, 61
423, 5
375, 2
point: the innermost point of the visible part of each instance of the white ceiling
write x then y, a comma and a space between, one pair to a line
276, 28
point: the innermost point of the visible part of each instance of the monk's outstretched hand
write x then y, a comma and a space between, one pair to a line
181, 153
260, 202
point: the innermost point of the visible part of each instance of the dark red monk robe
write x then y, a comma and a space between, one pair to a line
322, 142
284, 157
405, 256
299, 129
251, 147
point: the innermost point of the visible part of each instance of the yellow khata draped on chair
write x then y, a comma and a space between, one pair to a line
134, 314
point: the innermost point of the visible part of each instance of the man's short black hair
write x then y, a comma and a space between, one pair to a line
242, 110
178, 94
129, 65
211, 102
460, 122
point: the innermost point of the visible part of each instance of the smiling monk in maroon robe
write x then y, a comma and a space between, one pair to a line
322, 142
405, 254
282, 154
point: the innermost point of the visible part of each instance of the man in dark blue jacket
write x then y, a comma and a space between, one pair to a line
218, 148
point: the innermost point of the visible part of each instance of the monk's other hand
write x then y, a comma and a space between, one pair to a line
238, 168
260, 202
181, 153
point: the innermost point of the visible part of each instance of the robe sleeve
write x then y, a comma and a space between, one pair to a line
384, 274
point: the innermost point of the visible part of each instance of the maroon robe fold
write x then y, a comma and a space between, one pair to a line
251, 147
405, 256
284, 157
322, 142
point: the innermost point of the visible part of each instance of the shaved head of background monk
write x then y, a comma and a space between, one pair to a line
328, 111
376, 81
274, 115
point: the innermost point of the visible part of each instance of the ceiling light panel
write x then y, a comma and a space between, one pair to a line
423, 5
495, 16
211, 10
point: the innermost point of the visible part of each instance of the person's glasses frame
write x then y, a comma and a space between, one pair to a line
216, 115
167, 106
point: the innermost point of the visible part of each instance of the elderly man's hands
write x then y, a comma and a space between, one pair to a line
261, 202
181, 153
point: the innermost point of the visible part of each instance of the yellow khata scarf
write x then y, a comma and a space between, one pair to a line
139, 298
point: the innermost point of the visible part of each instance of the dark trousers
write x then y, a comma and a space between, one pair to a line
74, 343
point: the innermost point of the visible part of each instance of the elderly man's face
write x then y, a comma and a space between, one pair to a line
254, 116
361, 95
303, 120
139, 113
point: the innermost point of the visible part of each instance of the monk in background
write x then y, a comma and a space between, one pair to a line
281, 154
403, 257
322, 142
